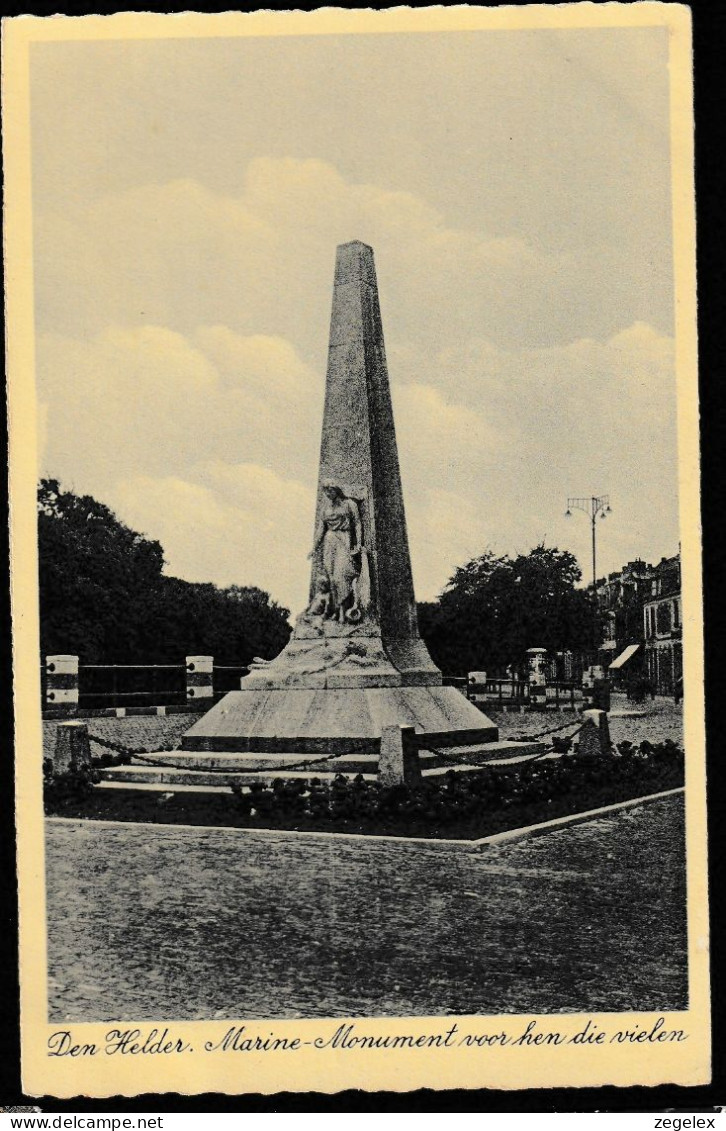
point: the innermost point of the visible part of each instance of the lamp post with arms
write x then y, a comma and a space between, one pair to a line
594, 507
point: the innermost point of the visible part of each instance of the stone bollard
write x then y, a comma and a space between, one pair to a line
594, 736
398, 760
61, 683
72, 748
200, 677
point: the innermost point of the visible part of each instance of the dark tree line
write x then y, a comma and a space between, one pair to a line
103, 595
495, 608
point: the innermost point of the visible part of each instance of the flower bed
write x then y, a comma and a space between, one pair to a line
457, 806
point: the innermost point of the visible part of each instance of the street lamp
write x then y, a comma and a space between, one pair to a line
596, 505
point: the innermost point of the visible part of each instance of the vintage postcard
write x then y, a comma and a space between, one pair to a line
356, 550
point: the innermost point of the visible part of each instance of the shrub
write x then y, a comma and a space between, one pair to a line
108, 759
460, 799
62, 790
243, 799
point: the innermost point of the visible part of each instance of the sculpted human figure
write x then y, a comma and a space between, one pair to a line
338, 541
320, 603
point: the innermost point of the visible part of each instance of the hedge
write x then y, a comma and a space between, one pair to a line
493, 798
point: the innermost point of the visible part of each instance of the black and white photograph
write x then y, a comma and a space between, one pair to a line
354, 435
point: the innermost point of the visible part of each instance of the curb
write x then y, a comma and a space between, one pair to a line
573, 819
439, 844
51, 714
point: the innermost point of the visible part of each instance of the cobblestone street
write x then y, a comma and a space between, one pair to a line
654, 720
159, 922
150, 731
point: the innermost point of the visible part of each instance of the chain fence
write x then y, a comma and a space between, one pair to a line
550, 730
144, 756
468, 760
141, 754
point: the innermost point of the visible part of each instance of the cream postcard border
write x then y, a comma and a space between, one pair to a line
331, 1070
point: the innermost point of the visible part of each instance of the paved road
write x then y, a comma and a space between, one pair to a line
151, 922
654, 720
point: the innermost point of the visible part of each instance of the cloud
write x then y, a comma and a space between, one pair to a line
533, 396
227, 524
209, 445
126, 399
259, 365
185, 334
539, 425
446, 529
147, 400
180, 255
438, 437
491, 443
183, 261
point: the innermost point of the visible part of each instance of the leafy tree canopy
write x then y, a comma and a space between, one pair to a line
104, 597
494, 608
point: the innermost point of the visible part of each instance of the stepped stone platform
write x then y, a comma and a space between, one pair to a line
216, 770
326, 721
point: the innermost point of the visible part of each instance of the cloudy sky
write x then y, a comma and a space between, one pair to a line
188, 197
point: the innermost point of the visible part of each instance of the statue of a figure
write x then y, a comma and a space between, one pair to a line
338, 546
318, 609
320, 603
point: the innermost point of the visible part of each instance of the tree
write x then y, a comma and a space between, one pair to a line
105, 598
494, 608
95, 574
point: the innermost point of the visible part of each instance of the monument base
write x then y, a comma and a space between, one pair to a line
336, 720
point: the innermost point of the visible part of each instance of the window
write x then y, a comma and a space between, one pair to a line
663, 618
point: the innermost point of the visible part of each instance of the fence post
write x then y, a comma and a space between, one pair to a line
398, 760
61, 683
72, 747
200, 677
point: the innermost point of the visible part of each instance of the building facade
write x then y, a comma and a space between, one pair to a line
621, 597
663, 628
641, 618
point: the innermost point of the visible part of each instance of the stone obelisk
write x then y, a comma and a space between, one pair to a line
355, 661
359, 452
